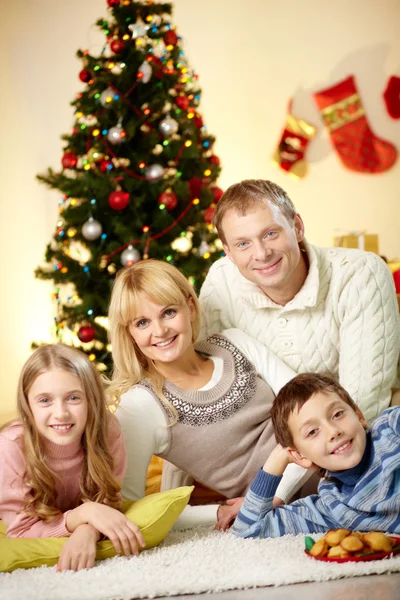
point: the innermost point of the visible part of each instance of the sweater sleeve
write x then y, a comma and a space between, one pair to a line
13, 491
144, 429
369, 334
117, 448
257, 518
216, 301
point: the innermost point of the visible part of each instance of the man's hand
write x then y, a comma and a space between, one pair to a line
125, 536
79, 551
228, 512
277, 461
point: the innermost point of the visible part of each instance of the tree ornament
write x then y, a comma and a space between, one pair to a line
86, 334
105, 165
217, 193
182, 244
209, 213
107, 96
69, 160
85, 75
155, 171
130, 256
198, 121
182, 102
168, 126
94, 155
391, 97
144, 72
118, 200
112, 3
138, 29
170, 38
116, 135
196, 185
358, 147
92, 229
169, 199
214, 160
117, 46
204, 248
290, 153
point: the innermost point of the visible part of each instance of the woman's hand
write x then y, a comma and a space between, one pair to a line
228, 512
79, 551
125, 536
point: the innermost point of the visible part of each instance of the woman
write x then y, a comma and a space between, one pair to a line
203, 407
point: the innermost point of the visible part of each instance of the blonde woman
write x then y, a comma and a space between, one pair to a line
205, 406
63, 461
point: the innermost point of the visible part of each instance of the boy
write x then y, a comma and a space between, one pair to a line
317, 425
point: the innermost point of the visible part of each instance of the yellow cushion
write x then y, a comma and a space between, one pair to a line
155, 515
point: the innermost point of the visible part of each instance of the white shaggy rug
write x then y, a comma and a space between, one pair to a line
187, 562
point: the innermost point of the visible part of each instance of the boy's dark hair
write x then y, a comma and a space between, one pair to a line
295, 394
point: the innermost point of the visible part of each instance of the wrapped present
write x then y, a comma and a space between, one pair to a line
358, 239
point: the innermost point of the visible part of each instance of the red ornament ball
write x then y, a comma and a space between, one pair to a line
209, 214
69, 160
86, 334
118, 200
170, 38
85, 75
105, 165
117, 46
198, 121
112, 3
217, 193
214, 160
183, 102
169, 199
196, 184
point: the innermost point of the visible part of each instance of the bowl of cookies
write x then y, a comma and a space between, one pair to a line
343, 545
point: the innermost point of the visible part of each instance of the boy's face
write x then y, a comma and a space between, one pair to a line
327, 433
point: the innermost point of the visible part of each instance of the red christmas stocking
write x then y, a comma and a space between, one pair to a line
289, 154
358, 147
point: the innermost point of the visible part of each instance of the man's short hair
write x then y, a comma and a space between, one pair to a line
243, 196
295, 394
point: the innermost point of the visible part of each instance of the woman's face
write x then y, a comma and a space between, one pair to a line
163, 333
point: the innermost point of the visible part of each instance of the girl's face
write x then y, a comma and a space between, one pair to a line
163, 333
59, 406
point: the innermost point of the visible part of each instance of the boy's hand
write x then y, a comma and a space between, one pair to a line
79, 551
228, 512
125, 536
277, 461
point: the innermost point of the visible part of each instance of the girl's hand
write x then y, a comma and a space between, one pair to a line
125, 536
79, 551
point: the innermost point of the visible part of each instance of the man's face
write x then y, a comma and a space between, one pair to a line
328, 433
264, 246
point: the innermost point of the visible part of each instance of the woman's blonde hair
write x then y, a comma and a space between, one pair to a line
97, 482
158, 282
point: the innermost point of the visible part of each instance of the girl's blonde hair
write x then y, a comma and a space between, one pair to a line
97, 482
158, 282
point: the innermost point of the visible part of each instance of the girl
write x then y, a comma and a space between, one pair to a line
203, 407
64, 459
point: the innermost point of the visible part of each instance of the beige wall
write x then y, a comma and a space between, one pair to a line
251, 57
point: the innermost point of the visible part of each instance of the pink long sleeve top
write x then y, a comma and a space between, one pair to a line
65, 461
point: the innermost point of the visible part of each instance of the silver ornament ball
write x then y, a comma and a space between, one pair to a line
130, 256
107, 96
92, 229
155, 171
168, 126
116, 135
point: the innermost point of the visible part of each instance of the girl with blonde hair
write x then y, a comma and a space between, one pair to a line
203, 406
63, 460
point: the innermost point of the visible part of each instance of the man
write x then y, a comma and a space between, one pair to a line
326, 310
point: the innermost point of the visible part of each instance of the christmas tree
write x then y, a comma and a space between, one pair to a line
138, 177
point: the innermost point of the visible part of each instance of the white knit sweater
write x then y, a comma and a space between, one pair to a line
344, 321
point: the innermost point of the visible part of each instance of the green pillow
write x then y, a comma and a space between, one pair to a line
154, 514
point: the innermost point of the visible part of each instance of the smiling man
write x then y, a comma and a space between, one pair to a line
326, 310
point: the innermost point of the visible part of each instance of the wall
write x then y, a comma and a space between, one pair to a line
251, 58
